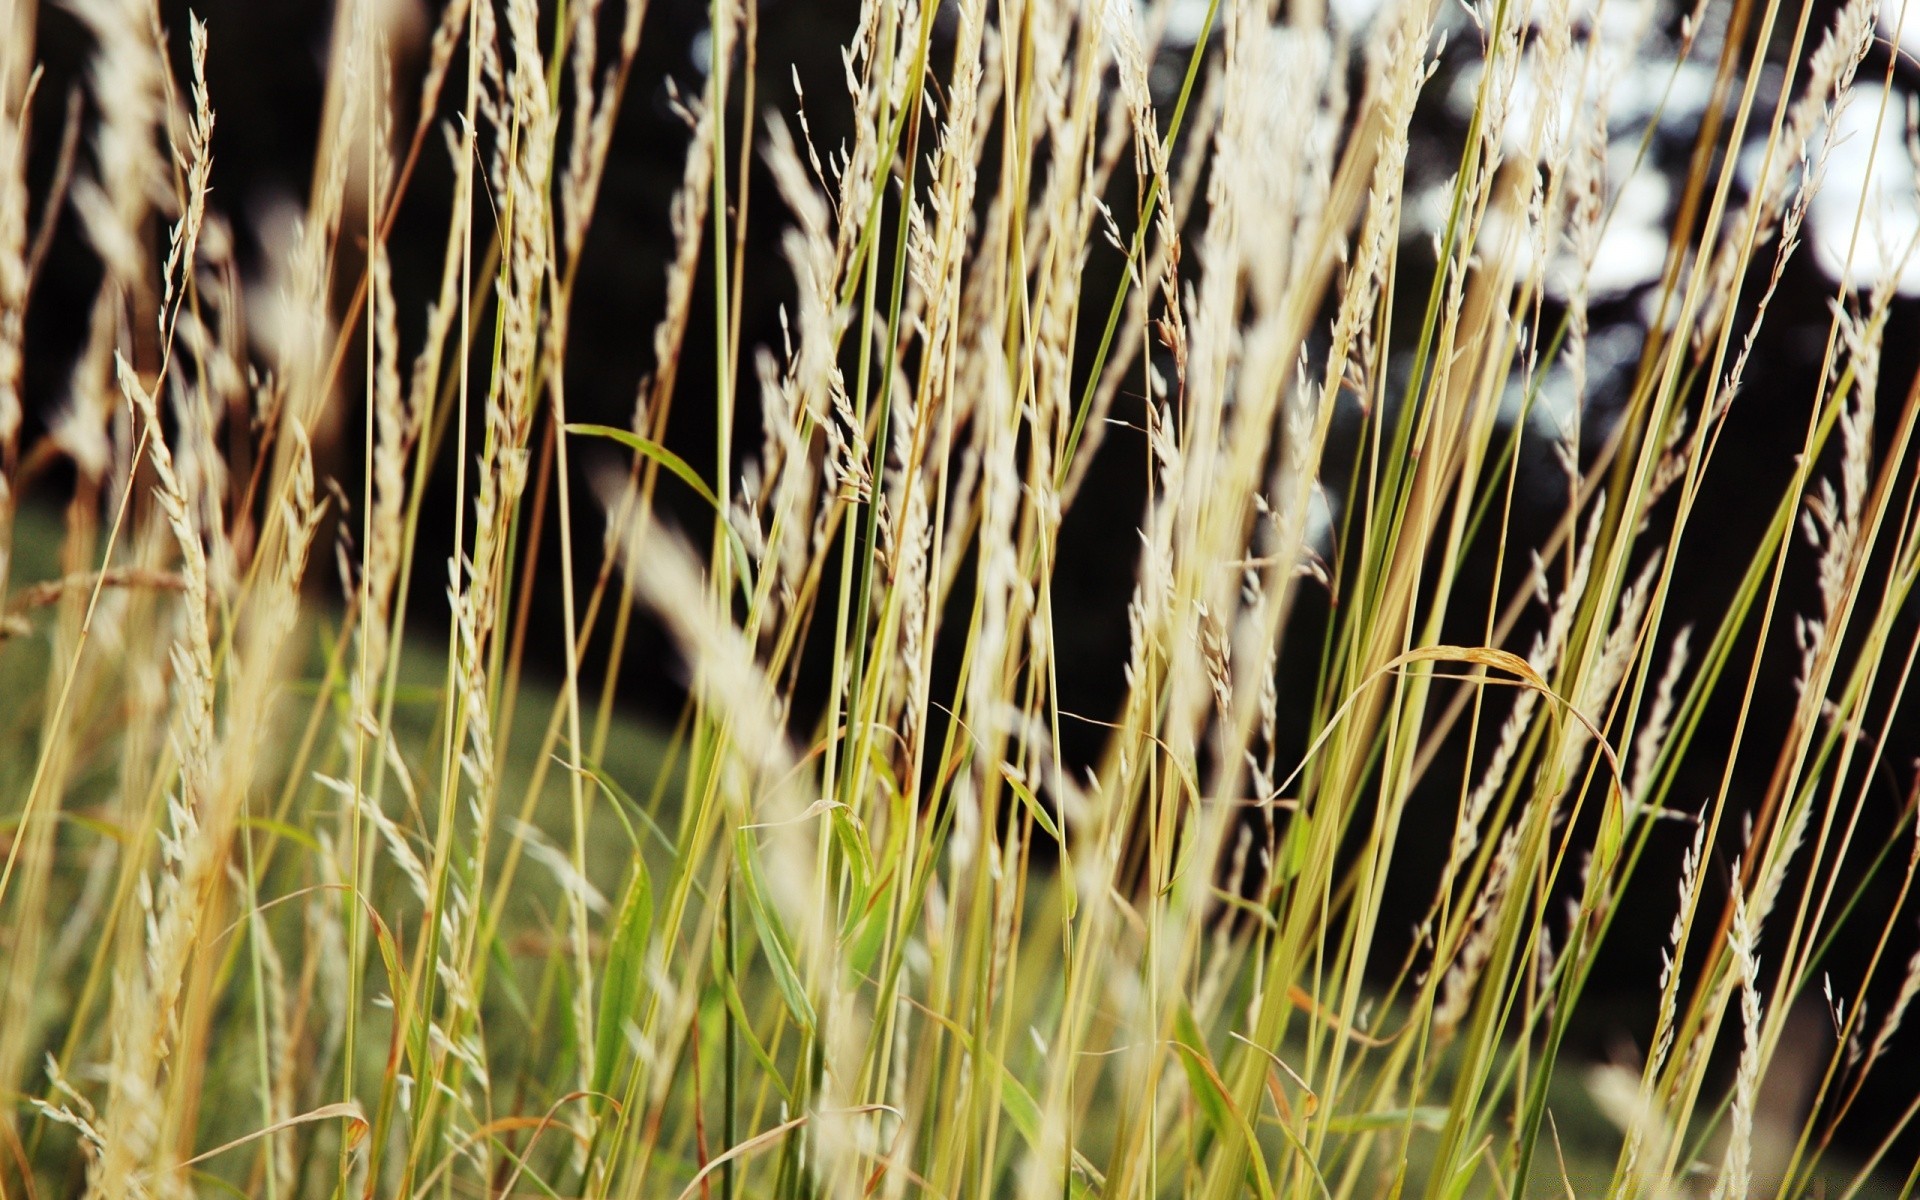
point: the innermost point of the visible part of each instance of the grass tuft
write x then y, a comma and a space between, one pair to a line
297, 903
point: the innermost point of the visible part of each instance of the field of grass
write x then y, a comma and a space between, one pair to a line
307, 895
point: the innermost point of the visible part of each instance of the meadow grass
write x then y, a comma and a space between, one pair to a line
299, 901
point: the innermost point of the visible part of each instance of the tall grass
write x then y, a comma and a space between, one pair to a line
296, 903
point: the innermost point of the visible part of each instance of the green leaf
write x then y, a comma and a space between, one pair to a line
622, 804
743, 1024
868, 929
1216, 1104
648, 448
624, 979
1021, 1108
774, 943
1429, 1117
848, 835
1213, 1101
282, 829
655, 451
1041, 816
1296, 844
1044, 819
503, 979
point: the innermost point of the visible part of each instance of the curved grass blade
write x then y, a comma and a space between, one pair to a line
683, 471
